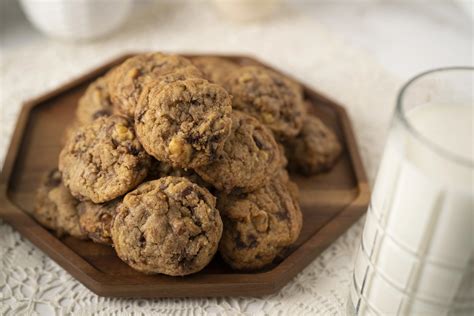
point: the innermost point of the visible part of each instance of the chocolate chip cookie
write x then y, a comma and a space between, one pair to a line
214, 69
168, 226
127, 80
259, 225
103, 160
95, 102
184, 123
250, 156
56, 208
315, 149
270, 97
95, 220
45, 210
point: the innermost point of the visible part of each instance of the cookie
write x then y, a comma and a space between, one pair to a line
55, 208
95, 220
127, 80
184, 123
168, 226
214, 69
45, 210
270, 97
95, 102
260, 225
250, 156
314, 150
103, 160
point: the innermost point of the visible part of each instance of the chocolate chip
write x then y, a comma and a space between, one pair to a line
200, 196
100, 114
141, 240
239, 244
187, 191
133, 150
114, 143
258, 142
139, 116
252, 241
54, 178
193, 139
282, 215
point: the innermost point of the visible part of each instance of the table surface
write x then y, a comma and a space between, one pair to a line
359, 55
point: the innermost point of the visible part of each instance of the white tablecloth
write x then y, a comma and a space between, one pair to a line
30, 282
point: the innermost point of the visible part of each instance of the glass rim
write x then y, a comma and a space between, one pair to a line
401, 114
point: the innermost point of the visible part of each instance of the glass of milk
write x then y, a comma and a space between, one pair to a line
416, 255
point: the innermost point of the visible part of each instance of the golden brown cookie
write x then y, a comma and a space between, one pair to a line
127, 80
103, 160
259, 225
168, 226
250, 156
270, 97
45, 210
315, 149
184, 123
95, 102
95, 220
214, 69
56, 208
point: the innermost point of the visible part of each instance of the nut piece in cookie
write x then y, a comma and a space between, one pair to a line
270, 97
95, 220
56, 208
95, 102
127, 80
103, 160
169, 226
250, 156
214, 69
314, 150
184, 123
259, 225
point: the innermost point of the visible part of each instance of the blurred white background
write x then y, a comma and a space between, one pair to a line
404, 36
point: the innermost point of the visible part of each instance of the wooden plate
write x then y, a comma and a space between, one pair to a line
331, 203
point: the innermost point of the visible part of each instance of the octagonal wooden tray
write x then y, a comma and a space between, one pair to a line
331, 203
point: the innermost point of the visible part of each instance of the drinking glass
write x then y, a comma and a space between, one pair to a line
416, 255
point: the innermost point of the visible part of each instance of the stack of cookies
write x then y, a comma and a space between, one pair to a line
171, 160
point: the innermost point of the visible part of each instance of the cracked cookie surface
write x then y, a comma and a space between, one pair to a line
56, 208
127, 80
95, 220
184, 123
259, 225
270, 97
315, 149
103, 160
250, 156
169, 226
95, 102
214, 69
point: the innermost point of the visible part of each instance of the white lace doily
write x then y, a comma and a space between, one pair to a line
32, 283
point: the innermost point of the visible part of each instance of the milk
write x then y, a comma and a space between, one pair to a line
417, 255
